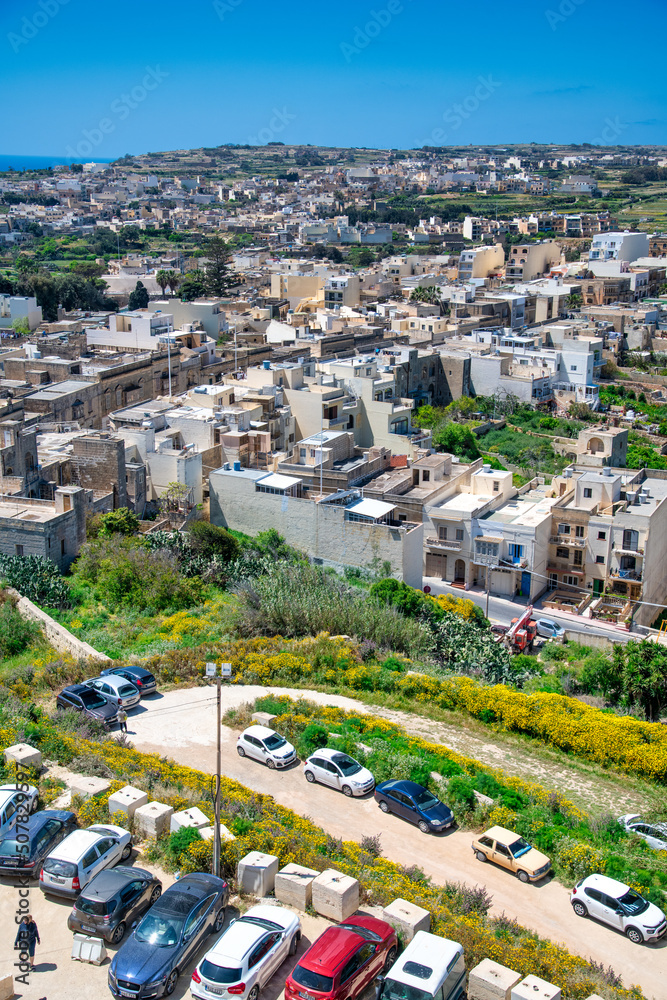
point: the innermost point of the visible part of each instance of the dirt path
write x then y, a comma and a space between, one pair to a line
181, 724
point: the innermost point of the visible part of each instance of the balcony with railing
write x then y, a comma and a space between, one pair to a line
625, 574
575, 543
451, 545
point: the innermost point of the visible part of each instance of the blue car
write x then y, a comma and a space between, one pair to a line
414, 803
168, 938
38, 836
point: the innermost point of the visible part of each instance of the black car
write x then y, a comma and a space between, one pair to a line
168, 937
416, 804
85, 699
142, 679
43, 831
113, 900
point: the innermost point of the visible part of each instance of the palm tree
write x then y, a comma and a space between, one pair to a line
173, 280
429, 295
162, 278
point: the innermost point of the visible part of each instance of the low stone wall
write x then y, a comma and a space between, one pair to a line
57, 634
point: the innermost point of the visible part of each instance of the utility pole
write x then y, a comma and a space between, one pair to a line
488, 587
225, 672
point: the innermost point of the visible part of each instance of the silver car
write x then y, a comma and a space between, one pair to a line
117, 690
549, 629
336, 769
655, 834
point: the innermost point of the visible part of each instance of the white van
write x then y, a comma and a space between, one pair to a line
80, 856
430, 968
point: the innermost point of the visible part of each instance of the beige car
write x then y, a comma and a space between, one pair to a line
512, 852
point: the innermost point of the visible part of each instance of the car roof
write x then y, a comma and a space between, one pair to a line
328, 753
180, 897
606, 884
239, 938
41, 818
106, 883
431, 952
75, 845
133, 668
115, 680
75, 688
403, 785
261, 732
331, 950
499, 833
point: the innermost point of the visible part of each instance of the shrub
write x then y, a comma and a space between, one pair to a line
314, 737
118, 522
36, 578
16, 632
210, 540
460, 793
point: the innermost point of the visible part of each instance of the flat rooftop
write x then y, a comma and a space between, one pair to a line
462, 503
58, 389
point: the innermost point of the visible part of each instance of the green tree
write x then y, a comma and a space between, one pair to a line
219, 277
211, 540
139, 297
162, 278
457, 439
118, 522
193, 286
645, 677
174, 279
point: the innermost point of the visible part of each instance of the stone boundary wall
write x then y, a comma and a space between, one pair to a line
59, 637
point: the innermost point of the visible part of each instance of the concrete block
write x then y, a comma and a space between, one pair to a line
484, 800
407, 918
152, 820
263, 718
534, 988
294, 886
85, 787
189, 817
88, 949
24, 755
335, 895
491, 981
207, 833
127, 800
256, 873
7, 988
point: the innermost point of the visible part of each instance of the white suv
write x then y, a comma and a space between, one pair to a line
336, 769
264, 744
71, 865
619, 906
13, 799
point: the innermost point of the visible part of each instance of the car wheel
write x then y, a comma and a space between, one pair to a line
240, 751
310, 777
632, 934
170, 985
271, 764
423, 826
523, 876
118, 934
219, 920
347, 791
390, 959
579, 909
480, 855
383, 806
155, 895
254, 993
293, 945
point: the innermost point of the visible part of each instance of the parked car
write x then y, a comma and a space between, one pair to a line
430, 968
247, 954
116, 690
91, 703
142, 679
511, 851
336, 769
13, 800
168, 937
618, 905
655, 834
112, 900
343, 961
43, 830
83, 854
549, 629
415, 803
264, 744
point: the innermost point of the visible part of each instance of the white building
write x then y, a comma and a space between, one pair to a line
619, 246
19, 307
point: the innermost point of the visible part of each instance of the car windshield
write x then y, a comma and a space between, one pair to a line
519, 847
346, 764
62, 869
261, 922
159, 931
92, 699
126, 691
96, 907
633, 902
363, 932
393, 990
274, 742
312, 980
219, 973
426, 800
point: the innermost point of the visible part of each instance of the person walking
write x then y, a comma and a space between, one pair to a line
27, 936
122, 719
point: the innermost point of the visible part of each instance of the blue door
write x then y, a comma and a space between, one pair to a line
525, 584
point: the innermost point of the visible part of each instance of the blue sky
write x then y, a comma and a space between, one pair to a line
137, 76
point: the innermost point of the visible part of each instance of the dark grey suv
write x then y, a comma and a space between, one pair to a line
169, 937
85, 699
112, 901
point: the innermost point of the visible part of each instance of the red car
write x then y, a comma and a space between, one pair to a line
343, 961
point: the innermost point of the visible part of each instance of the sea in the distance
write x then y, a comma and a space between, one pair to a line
37, 162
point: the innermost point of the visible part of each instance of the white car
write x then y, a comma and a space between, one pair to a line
71, 865
336, 769
655, 834
15, 799
117, 690
618, 905
548, 629
247, 954
264, 744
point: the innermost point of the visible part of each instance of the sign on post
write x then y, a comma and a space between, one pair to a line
226, 670
211, 670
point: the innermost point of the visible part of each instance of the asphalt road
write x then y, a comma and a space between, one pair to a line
181, 724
